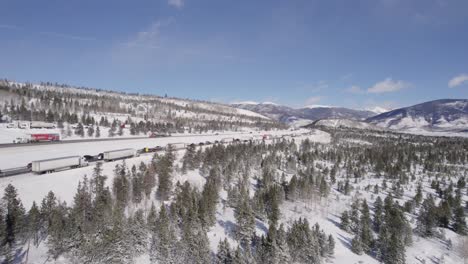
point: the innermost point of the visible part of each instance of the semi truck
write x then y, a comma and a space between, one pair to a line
119, 154
37, 138
177, 145
50, 165
227, 140
38, 124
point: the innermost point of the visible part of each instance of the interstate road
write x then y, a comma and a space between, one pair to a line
12, 145
20, 155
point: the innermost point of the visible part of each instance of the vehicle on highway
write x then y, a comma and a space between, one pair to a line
208, 143
177, 145
14, 171
51, 165
227, 140
38, 124
93, 158
119, 154
157, 135
39, 137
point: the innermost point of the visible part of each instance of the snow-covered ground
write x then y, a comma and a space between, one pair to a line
325, 211
32, 187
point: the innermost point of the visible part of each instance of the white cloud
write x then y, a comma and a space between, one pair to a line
176, 3
313, 100
387, 85
458, 80
149, 38
354, 89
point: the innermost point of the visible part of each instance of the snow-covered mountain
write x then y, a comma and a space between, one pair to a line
438, 115
291, 115
346, 123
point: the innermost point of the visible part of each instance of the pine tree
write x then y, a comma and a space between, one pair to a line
14, 215
34, 224
345, 225
90, 131
331, 246
427, 217
98, 132
378, 214
459, 222
367, 238
121, 185
209, 200
357, 245
224, 256
245, 220
163, 248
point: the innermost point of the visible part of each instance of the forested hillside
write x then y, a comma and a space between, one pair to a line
345, 196
88, 107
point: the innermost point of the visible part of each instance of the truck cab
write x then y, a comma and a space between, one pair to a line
21, 140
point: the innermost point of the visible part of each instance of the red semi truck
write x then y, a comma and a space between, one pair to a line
38, 137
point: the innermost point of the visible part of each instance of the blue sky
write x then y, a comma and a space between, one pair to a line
356, 54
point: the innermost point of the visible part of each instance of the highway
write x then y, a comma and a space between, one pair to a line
19, 155
71, 141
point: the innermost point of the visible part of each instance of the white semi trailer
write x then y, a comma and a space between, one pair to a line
177, 146
119, 154
50, 165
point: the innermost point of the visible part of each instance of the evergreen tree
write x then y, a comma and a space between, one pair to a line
163, 248
245, 220
427, 217
14, 215
345, 225
459, 222
224, 256
357, 245
367, 238
98, 132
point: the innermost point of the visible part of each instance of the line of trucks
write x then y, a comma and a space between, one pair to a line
31, 124
71, 162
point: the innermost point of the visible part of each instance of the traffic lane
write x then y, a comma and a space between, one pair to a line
22, 155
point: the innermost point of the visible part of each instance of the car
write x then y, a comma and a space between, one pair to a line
216, 141
207, 143
201, 144
192, 145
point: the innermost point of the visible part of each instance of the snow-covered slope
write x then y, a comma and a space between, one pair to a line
438, 115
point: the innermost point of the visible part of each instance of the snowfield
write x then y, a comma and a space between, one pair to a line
325, 211
33, 187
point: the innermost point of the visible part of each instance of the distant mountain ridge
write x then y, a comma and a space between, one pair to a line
290, 115
437, 115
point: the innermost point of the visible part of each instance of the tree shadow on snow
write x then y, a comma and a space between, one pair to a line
345, 241
333, 221
229, 228
260, 225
